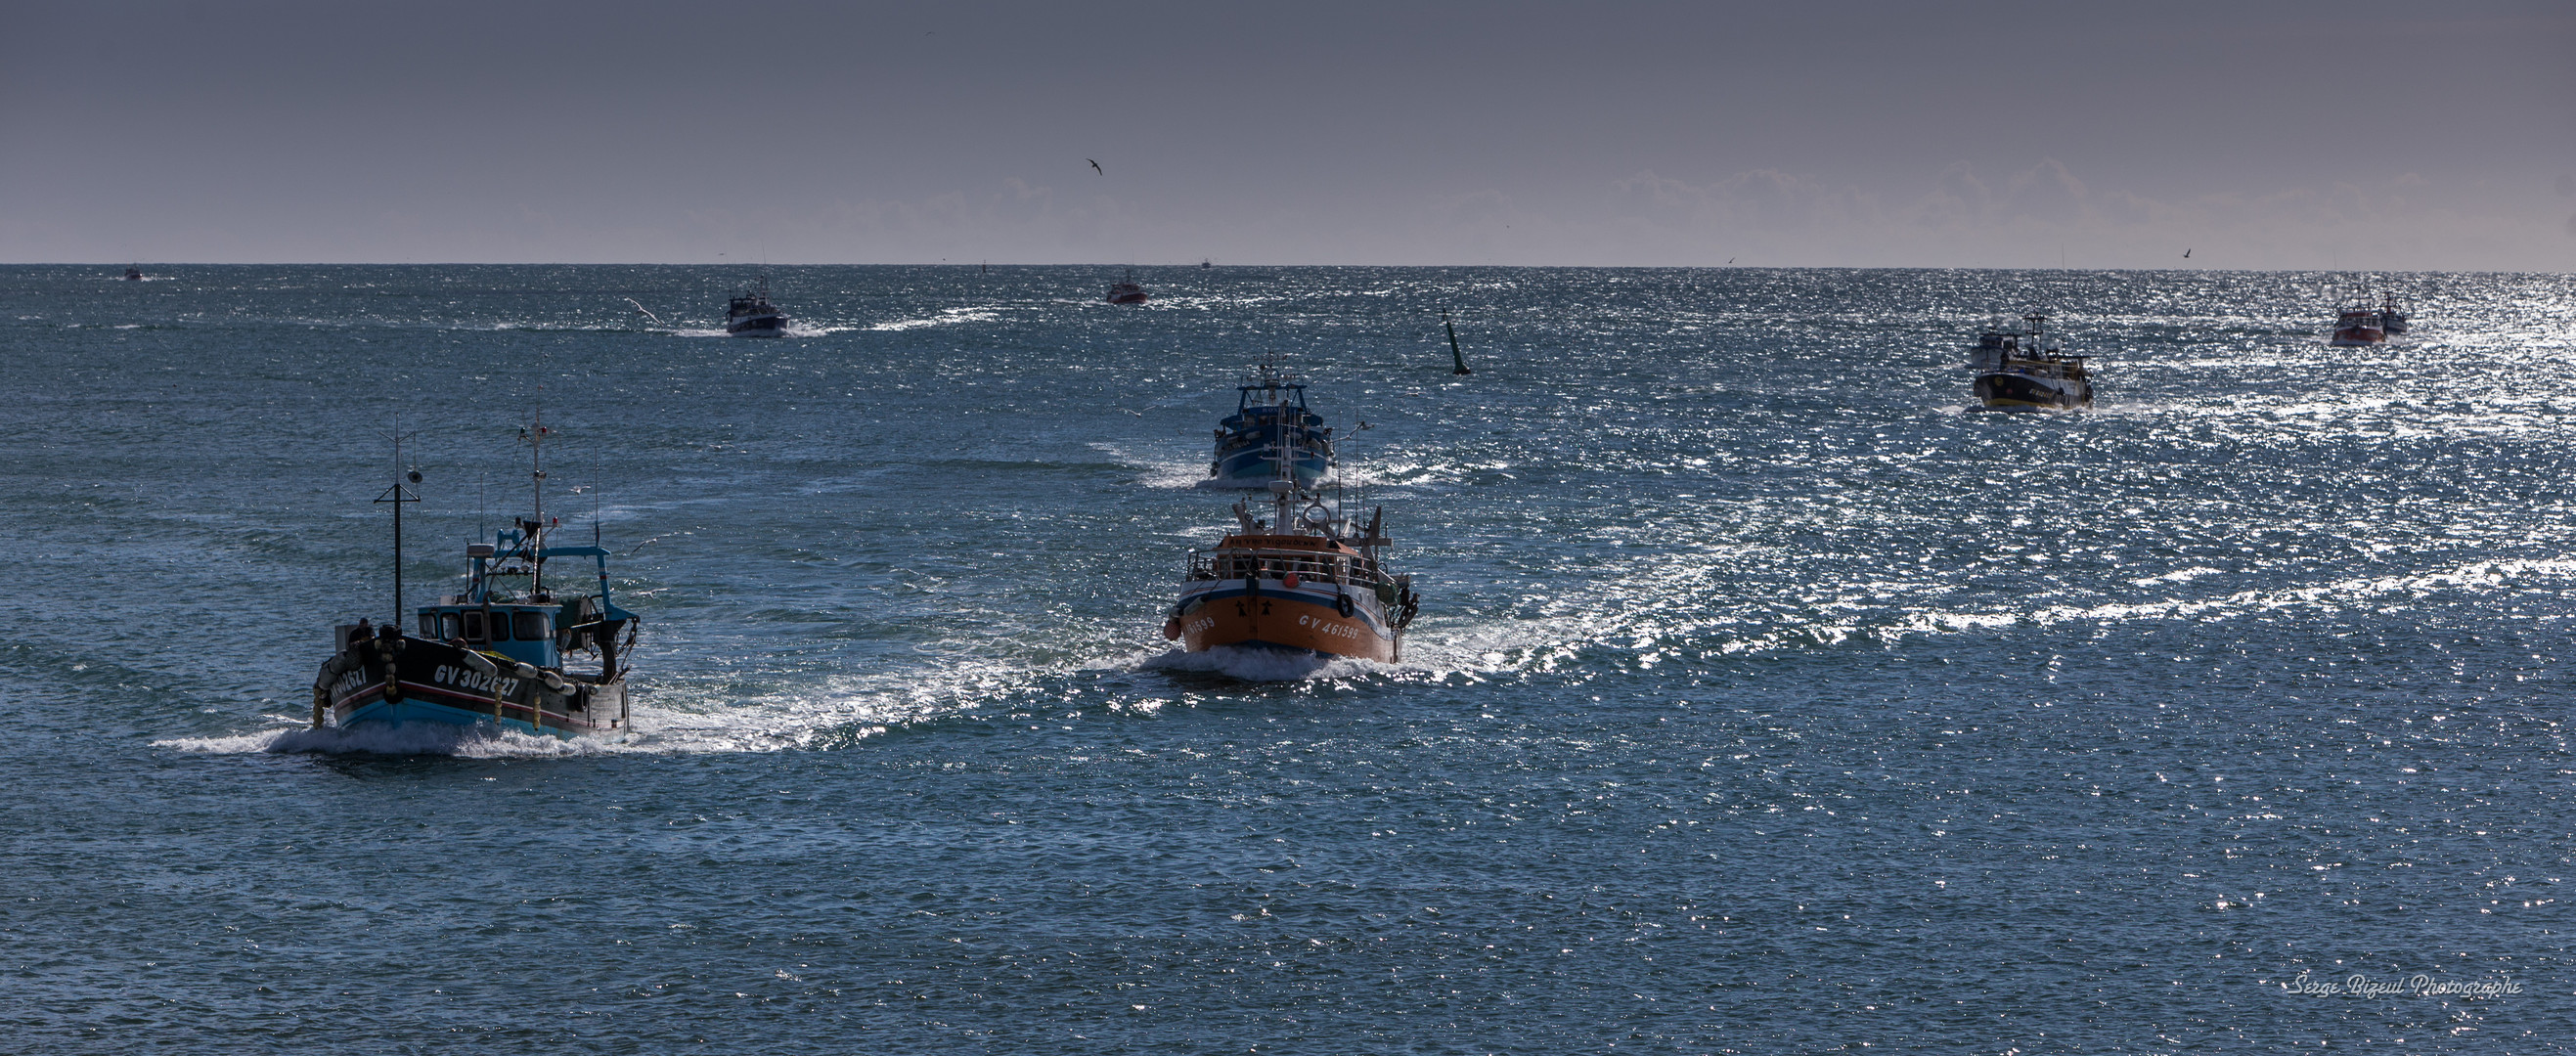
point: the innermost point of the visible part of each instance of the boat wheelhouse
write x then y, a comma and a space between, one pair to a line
1306, 581
749, 313
1270, 424
509, 651
2026, 370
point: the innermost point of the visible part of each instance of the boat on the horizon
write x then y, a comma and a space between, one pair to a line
2392, 315
2358, 326
1307, 581
1270, 423
749, 313
1126, 291
495, 654
2025, 370
133, 273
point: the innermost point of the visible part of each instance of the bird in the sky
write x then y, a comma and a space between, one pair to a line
1095, 166
2186, 254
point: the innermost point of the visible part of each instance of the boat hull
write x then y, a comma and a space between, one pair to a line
1320, 618
419, 680
757, 326
2033, 392
1255, 468
2359, 335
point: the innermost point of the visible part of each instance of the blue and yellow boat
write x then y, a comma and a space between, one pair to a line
498, 654
1270, 421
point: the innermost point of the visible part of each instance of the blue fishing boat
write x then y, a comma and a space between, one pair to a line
501, 653
1270, 422
749, 313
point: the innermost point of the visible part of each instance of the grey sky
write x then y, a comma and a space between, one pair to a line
2281, 135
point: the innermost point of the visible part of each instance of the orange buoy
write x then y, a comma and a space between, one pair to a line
1172, 629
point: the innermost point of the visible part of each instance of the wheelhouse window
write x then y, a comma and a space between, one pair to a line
473, 625
499, 625
531, 626
429, 625
449, 627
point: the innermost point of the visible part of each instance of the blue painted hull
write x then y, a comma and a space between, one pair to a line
426, 681
1255, 468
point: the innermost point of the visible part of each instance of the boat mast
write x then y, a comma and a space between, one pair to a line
398, 495
536, 434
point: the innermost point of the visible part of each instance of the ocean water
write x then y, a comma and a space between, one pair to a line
1765, 697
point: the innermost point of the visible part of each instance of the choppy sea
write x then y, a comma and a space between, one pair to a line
1766, 698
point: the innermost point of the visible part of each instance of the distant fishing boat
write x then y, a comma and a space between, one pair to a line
2392, 315
749, 313
133, 274
1306, 581
2358, 326
495, 654
1270, 423
2023, 370
1126, 291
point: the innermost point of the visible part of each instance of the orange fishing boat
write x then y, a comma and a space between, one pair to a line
1304, 581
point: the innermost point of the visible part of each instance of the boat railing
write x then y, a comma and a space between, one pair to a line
1234, 563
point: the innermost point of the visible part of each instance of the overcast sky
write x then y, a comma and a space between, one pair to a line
2257, 135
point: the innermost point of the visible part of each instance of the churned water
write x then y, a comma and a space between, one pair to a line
1765, 698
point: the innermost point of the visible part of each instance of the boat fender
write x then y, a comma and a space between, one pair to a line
1172, 629
552, 680
524, 671
1289, 581
393, 672
1342, 604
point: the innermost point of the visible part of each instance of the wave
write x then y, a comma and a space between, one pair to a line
944, 318
417, 738
1268, 665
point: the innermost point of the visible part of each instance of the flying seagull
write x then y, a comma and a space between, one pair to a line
1095, 166
2186, 254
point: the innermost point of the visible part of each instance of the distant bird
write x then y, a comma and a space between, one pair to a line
2186, 254
1730, 260
1095, 166
639, 310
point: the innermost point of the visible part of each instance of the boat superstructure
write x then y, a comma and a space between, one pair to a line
1307, 580
1270, 425
502, 652
749, 313
2026, 370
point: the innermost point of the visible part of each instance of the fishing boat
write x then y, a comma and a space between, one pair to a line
1306, 581
2358, 326
2026, 370
133, 273
2392, 315
749, 313
1126, 291
1270, 424
499, 654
